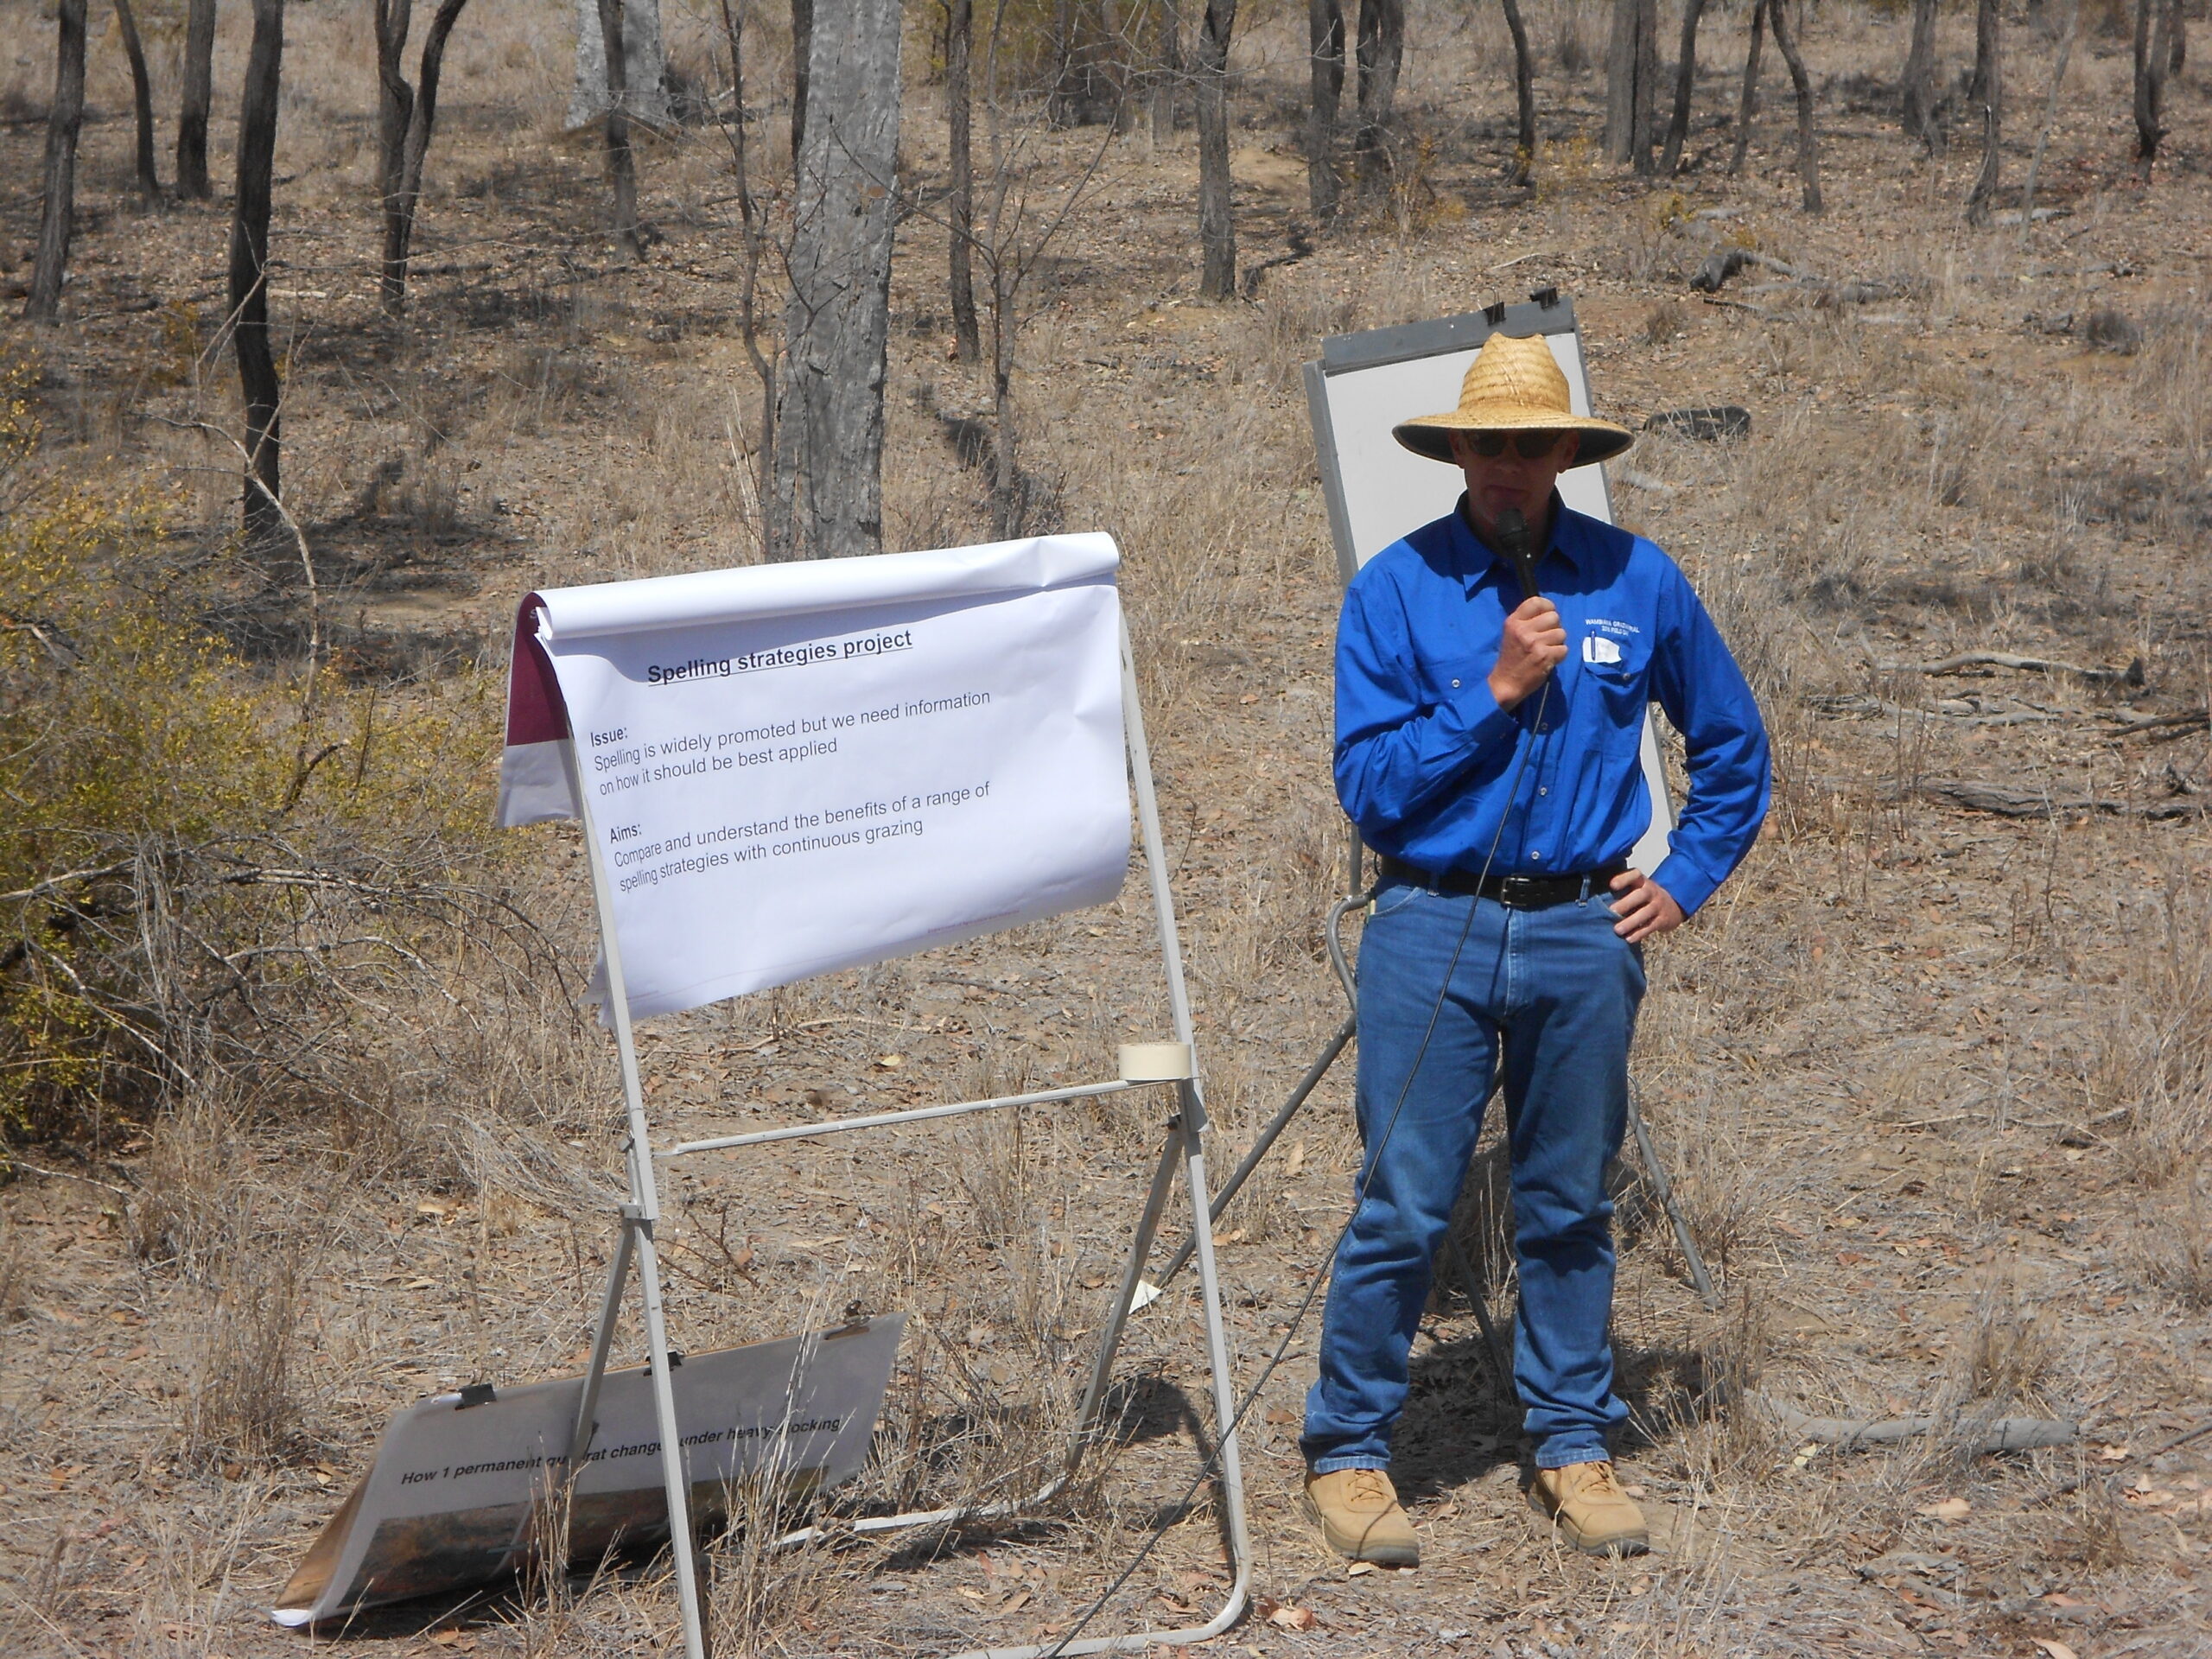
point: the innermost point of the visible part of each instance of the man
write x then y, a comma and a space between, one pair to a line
1488, 746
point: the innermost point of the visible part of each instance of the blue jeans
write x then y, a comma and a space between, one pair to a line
1562, 988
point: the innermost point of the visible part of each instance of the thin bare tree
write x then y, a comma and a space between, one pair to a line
1987, 90
1380, 52
249, 275
1678, 129
752, 219
1748, 105
1524, 96
2050, 113
802, 61
1324, 35
142, 101
1167, 75
1808, 154
827, 494
195, 98
621, 162
1217, 217
2157, 34
1631, 82
1917, 83
65, 119
406, 117
959, 109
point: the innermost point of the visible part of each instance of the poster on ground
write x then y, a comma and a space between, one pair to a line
793, 768
465, 1485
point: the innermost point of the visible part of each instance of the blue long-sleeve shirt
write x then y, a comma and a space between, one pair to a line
1424, 756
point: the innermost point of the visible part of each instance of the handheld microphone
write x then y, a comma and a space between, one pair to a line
1513, 531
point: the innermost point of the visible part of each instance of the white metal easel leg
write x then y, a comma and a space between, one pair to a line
638, 1217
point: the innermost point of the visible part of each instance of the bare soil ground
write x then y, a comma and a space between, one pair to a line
1932, 1077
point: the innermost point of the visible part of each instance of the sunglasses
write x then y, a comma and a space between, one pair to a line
1529, 446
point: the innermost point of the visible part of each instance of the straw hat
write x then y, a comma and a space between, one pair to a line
1513, 386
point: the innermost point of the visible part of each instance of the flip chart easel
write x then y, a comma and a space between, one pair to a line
1170, 1066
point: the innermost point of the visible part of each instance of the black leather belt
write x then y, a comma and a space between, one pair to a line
1513, 892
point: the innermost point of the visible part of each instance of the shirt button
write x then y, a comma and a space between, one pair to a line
1544, 726
1455, 685
1538, 857
1540, 790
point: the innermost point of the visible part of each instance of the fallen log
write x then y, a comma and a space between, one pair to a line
2132, 675
1977, 796
1990, 1434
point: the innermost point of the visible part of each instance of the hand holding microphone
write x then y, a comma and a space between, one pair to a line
1535, 639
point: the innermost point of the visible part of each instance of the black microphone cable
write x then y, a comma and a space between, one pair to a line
1513, 531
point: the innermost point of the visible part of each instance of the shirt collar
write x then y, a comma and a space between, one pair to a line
1477, 557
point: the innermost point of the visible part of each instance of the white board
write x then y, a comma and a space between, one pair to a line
1381, 491
800, 767
459, 1487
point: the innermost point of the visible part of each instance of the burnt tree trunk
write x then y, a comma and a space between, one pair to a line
1216, 218
1987, 91
1524, 95
249, 274
141, 100
621, 162
1808, 154
828, 495
1631, 82
2155, 34
1678, 129
395, 109
399, 224
1749, 104
65, 119
1918, 89
198, 94
802, 61
1381, 53
1324, 35
959, 42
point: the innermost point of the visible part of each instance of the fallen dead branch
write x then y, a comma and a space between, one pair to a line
2180, 725
1977, 796
1712, 276
2172, 1442
1853, 1434
2131, 675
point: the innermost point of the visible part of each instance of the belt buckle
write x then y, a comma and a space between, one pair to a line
1514, 890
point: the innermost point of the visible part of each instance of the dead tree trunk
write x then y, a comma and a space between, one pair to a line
1631, 82
802, 65
1988, 89
621, 162
645, 65
1217, 217
198, 94
828, 495
1168, 85
959, 41
1324, 35
1808, 154
65, 119
1918, 90
141, 100
249, 274
1678, 129
1381, 52
2154, 55
407, 188
1749, 104
395, 109
2049, 114
1524, 95
756, 248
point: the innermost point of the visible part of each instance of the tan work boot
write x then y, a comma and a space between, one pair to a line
1587, 1505
1357, 1512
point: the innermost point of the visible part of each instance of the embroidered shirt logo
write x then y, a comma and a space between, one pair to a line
1597, 648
